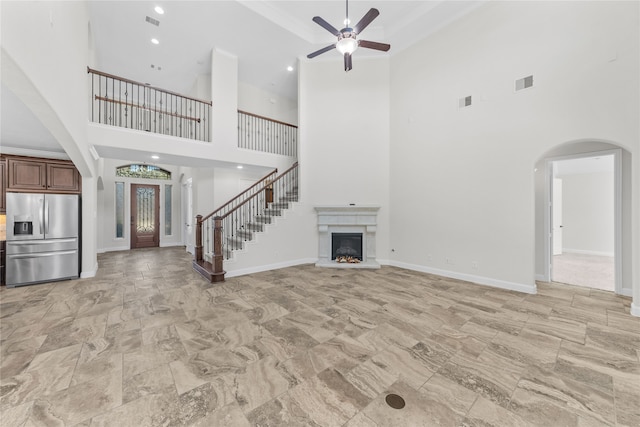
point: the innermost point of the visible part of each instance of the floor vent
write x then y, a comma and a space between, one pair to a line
524, 83
150, 20
464, 102
395, 401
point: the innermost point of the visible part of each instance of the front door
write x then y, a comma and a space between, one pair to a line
145, 216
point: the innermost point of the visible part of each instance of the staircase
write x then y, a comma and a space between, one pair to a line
226, 230
246, 232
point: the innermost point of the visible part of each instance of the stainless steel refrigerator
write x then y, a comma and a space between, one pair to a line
42, 238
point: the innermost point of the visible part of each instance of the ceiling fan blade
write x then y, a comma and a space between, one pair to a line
348, 65
374, 45
324, 24
321, 51
366, 20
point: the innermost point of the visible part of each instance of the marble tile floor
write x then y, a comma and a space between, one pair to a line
147, 342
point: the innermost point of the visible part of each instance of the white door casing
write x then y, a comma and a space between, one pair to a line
187, 216
556, 216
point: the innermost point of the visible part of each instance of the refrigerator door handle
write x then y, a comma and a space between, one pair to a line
48, 254
41, 242
41, 215
46, 217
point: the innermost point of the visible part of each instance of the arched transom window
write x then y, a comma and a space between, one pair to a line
142, 171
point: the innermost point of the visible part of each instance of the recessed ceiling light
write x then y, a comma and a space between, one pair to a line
155, 41
159, 10
289, 68
239, 166
155, 157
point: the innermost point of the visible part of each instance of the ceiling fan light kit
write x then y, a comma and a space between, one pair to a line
347, 44
347, 37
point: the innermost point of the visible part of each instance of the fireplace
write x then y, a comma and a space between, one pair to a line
346, 247
347, 231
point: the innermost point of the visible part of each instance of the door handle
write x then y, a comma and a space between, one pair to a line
46, 217
42, 242
49, 254
41, 215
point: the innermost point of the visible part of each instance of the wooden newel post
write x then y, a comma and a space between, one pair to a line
198, 246
218, 272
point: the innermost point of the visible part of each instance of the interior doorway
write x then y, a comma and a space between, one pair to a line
584, 220
145, 216
187, 215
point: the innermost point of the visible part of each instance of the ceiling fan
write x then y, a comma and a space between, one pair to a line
347, 37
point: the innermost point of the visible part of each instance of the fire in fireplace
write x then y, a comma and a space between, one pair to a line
346, 247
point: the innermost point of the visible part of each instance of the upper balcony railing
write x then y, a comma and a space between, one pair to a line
267, 135
125, 103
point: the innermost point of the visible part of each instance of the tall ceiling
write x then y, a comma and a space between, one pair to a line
266, 36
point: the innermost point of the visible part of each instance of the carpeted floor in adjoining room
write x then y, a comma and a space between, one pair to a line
592, 271
148, 342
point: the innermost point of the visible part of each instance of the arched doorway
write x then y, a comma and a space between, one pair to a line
545, 172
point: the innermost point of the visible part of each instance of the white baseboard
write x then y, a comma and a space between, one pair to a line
627, 292
89, 274
480, 280
276, 266
171, 244
635, 309
583, 252
113, 249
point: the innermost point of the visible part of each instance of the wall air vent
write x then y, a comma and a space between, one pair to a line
464, 102
150, 20
524, 83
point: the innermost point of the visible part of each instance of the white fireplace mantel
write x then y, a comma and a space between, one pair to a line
347, 219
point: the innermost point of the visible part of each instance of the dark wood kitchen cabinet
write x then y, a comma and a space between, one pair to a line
42, 175
63, 177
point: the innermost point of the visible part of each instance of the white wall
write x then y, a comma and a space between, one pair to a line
471, 170
45, 52
215, 186
257, 101
587, 213
344, 139
224, 84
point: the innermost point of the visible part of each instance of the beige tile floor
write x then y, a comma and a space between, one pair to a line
147, 342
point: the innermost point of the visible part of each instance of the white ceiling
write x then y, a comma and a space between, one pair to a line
266, 37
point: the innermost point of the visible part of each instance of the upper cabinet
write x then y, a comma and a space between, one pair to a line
63, 177
42, 175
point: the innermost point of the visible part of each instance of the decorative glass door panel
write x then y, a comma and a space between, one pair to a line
145, 216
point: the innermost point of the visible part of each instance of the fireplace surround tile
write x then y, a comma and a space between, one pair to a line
347, 219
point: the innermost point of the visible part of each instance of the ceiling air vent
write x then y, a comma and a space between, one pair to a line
150, 20
524, 83
464, 102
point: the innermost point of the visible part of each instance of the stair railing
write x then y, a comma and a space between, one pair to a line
205, 225
225, 230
